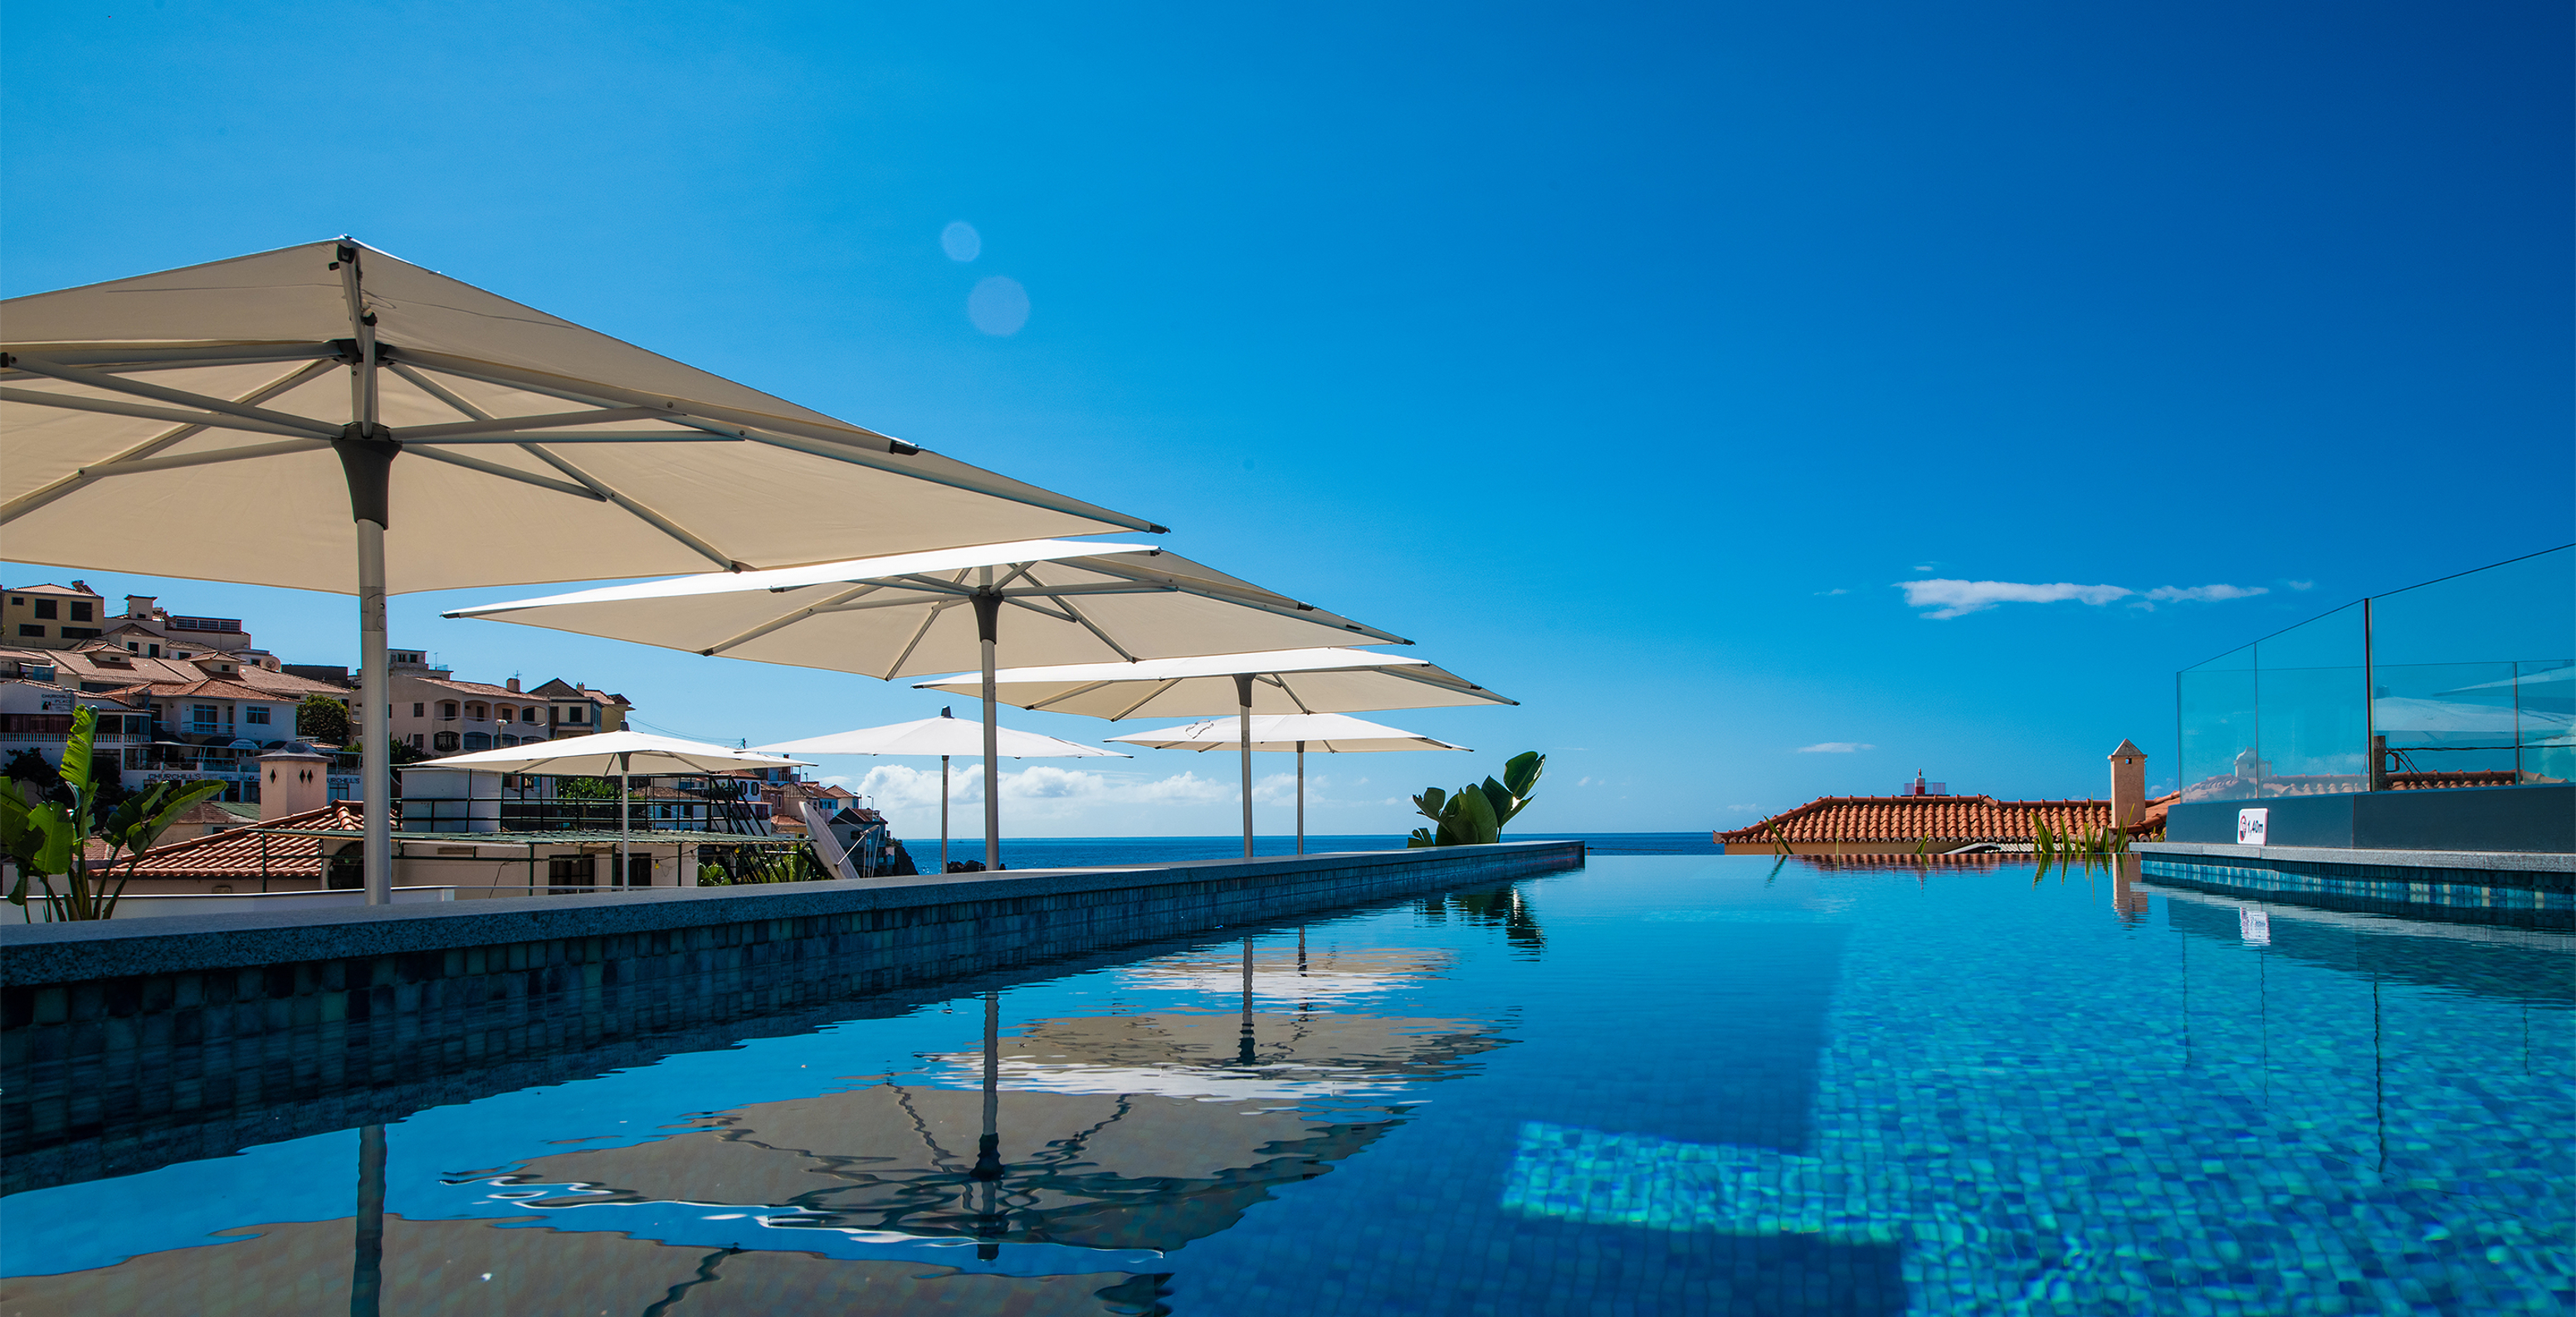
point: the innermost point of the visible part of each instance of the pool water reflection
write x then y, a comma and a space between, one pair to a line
1657, 1085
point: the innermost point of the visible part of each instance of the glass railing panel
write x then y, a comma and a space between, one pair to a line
2312, 733
2545, 705
2218, 727
2511, 612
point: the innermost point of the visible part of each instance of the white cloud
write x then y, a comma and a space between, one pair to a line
2210, 593
1835, 748
1743, 809
2300, 585
1950, 598
1835, 591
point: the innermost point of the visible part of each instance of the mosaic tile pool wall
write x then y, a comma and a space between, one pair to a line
2524, 899
1730, 1084
114, 1075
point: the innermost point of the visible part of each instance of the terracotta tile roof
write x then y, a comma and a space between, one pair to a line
238, 853
2502, 777
1939, 818
213, 688
51, 588
483, 688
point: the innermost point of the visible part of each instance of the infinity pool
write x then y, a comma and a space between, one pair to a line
1658, 1085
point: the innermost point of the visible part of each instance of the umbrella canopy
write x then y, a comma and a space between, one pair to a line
942, 736
618, 755
945, 737
474, 440
922, 612
176, 399
606, 754
1280, 681
1332, 733
1325, 733
1056, 601
1284, 681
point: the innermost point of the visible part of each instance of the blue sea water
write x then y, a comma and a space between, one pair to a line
1657, 1085
1054, 852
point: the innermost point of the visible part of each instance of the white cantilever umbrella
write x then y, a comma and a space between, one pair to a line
1330, 733
475, 441
1280, 681
916, 613
619, 753
944, 736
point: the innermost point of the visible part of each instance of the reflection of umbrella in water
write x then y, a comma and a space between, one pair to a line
2405, 714
1087, 1131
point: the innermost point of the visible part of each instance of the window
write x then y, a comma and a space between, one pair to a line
419, 742
133, 648
45, 608
257, 713
530, 716
447, 711
201, 719
80, 610
507, 713
507, 739
478, 740
443, 743
572, 714
80, 633
478, 712
152, 651
572, 871
419, 710
30, 629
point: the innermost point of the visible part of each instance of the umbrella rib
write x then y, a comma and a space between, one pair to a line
29, 502
136, 356
118, 384
937, 607
1146, 699
508, 473
1088, 625
111, 407
642, 513
499, 426
825, 445
209, 458
1280, 679
1247, 597
1061, 698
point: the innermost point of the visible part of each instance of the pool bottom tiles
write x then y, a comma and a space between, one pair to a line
1659, 1085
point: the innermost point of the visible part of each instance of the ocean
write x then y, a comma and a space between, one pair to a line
1068, 852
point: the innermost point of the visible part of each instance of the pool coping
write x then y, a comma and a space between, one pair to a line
2502, 861
33, 954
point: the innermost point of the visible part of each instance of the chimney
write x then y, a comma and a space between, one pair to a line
291, 782
2128, 784
514, 685
139, 606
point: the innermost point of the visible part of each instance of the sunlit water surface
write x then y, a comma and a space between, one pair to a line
1659, 1085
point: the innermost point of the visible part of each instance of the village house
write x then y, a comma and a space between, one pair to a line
437, 714
1925, 819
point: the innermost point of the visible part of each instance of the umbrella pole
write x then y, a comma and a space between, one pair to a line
1243, 733
943, 813
624, 762
375, 722
988, 616
1301, 797
366, 452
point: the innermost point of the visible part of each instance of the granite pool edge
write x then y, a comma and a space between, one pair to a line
36, 954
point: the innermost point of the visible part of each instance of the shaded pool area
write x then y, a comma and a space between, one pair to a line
1657, 1085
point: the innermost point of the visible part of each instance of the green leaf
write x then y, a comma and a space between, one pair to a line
1421, 837
58, 837
1522, 773
139, 837
1475, 823
1429, 803
76, 750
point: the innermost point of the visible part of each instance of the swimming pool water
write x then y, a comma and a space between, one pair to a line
1657, 1085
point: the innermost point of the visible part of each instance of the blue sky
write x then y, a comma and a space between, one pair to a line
1628, 358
